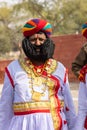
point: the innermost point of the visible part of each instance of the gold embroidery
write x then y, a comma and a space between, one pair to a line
55, 113
36, 95
37, 79
25, 106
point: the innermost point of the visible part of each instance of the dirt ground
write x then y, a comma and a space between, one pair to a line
74, 91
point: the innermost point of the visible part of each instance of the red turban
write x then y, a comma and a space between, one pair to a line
84, 30
35, 25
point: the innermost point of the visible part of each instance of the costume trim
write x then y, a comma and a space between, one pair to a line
55, 105
9, 76
66, 72
82, 74
33, 107
31, 112
85, 124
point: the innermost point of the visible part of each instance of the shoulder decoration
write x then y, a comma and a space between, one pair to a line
49, 67
82, 74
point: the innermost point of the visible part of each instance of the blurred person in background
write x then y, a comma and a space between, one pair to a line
81, 58
81, 122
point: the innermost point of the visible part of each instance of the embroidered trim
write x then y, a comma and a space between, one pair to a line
82, 74
33, 107
9, 76
85, 123
66, 72
31, 111
49, 66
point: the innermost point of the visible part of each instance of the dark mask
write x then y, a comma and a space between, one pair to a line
38, 53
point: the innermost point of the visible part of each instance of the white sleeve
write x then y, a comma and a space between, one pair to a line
6, 100
69, 106
82, 106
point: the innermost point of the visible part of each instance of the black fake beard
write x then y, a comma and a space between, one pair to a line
38, 53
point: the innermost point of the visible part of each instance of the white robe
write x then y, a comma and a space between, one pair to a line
22, 93
82, 106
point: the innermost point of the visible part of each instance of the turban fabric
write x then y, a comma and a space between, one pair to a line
35, 25
84, 30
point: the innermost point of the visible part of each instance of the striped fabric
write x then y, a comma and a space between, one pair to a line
35, 25
84, 30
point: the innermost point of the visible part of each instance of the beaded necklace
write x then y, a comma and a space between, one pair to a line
40, 76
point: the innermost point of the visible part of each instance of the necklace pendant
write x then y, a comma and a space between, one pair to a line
36, 96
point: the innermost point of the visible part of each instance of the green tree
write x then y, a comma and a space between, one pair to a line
66, 17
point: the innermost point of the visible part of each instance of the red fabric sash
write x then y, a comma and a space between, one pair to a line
32, 111
85, 124
9, 76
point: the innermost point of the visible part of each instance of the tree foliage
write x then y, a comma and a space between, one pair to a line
66, 17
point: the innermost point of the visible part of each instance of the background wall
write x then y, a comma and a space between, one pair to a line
67, 47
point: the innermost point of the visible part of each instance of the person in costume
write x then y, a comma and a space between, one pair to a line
81, 122
81, 58
36, 93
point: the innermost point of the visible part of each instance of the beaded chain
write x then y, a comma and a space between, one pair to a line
37, 78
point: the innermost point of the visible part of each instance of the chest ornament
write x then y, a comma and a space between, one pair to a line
40, 77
